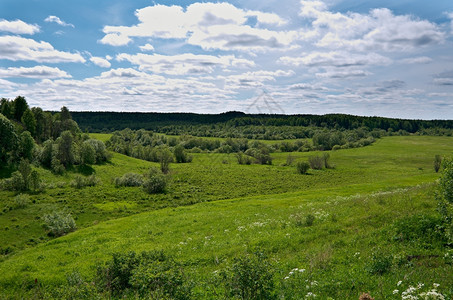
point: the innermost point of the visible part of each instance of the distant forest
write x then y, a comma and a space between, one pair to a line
210, 124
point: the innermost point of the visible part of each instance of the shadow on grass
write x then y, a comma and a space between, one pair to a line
85, 170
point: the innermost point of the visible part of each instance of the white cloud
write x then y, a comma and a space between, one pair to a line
100, 62
335, 59
417, 60
208, 25
54, 19
252, 80
115, 39
181, 64
343, 74
18, 48
33, 72
378, 30
147, 47
18, 27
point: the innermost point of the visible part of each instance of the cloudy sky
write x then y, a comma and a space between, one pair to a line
386, 58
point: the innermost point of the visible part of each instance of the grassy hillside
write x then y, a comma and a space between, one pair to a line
361, 211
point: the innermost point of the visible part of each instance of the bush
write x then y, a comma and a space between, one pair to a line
243, 159
309, 220
21, 201
181, 155
56, 166
34, 181
155, 184
59, 223
437, 162
250, 277
302, 167
316, 162
129, 179
151, 274
80, 182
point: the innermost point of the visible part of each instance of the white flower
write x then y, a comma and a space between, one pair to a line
399, 283
286, 277
395, 292
436, 285
301, 270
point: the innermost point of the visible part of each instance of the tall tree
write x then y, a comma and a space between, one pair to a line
6, 108
65, 148
29, 121
8, 138
65, 114
20, 106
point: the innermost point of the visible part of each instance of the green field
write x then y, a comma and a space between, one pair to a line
215, 210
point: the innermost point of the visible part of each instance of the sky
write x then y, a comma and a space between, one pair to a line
371, 58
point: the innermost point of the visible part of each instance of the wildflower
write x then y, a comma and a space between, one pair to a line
287, 277
436, 285
395, 292
301, 270
399, 283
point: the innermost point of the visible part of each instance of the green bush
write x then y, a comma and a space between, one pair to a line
181, 155
155, 184
80, 182
21, 201
437, 163
150, 274
129, 179
250, 277
316, 162
302, 167
59, 223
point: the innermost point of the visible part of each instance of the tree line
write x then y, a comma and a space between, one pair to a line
212, 124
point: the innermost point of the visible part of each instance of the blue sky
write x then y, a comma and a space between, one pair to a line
385, 58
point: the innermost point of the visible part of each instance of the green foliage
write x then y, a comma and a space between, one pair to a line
419, 228
21, 200
56, 166
59, 223
150, 274
129, 179
26, 145
243, 159
65, 149
101, 154
29, 121
165, 157
316, 162
8, 140
250, 277
20, 106
437, 162
181, 155
155, 183
34, 181
25, 170
302, 167
309, 220
87, 154
81, 182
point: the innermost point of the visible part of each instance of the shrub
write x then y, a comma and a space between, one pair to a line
302, 167
34, 181
56, 166
21, 200
181, 155
309, 220
155, 184
326, 158
80, 182
316, 162
289, 160
59, 223
129, 179
151, 274
437, 162
250, 277
243, 159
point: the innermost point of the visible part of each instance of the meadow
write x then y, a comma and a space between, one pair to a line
362, 226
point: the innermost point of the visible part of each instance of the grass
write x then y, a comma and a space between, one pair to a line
241, 209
